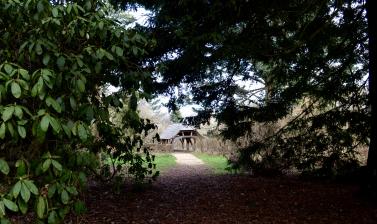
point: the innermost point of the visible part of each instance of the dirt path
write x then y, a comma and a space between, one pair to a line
184, 158
191, 193
188, 169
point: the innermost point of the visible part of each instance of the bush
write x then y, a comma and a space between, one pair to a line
54, 60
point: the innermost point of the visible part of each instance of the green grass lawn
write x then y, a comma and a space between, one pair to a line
164, 161
217, 162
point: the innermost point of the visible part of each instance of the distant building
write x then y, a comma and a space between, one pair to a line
186, 135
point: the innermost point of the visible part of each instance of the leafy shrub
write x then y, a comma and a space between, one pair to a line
54, 60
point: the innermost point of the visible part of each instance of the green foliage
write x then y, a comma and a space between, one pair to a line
129, 130
54, 60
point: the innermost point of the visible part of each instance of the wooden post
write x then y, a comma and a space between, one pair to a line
183, 143
188, 144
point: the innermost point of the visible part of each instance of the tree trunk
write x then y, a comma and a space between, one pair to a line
372, 154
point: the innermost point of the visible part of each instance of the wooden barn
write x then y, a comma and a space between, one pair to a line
180, 137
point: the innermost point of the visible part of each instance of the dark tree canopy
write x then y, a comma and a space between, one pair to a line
307, 54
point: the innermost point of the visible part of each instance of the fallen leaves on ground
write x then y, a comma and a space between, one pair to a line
192, 194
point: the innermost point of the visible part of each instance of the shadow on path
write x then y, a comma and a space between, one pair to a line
193, 194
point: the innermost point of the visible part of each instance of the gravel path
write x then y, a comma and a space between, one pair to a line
188, 167
185, 158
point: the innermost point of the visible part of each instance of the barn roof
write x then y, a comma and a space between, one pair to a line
172, 130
